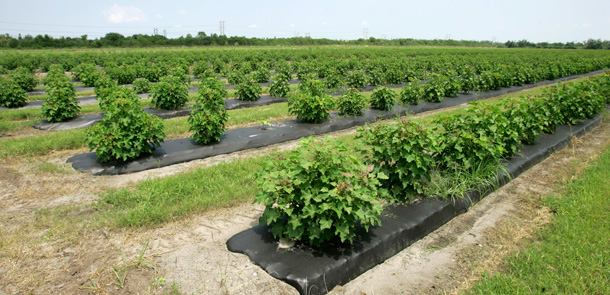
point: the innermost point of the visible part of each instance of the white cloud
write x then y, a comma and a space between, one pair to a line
324, 23
177, 26
292, 25
253, 26
159, 15
365, 24
125, 14
182, 11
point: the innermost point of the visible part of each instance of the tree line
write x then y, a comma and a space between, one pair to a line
202, 39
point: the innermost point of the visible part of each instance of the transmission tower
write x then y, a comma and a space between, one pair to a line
222, 28
365, 33
155, 31
165, 33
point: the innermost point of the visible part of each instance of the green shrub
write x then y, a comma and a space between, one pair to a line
24, 78
434, 89
383, 98
333, 80
236, 77
202, 69
180, 74
11, 94
402, 152
356, 79
56, 71
208, 116
351, 103
212, 88
248, 89
576, 101
412, 92
318, 193
262, 75
377, 77
126, 131
170, 94
86, 73
481, 135
60, 104
312, 87
141, 85
525, 118
310, 108
279, 88
394, 76
103, 87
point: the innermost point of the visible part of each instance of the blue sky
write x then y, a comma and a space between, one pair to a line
534, 20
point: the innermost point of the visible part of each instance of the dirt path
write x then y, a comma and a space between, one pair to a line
40, 255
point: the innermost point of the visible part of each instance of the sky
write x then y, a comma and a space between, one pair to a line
500, 21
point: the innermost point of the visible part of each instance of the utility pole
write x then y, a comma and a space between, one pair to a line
222, 28
365, 32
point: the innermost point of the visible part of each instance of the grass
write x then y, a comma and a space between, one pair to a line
572, 253
162, 200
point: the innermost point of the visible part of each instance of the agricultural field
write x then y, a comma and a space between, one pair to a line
191, 147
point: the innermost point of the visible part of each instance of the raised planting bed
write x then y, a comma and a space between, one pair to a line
183, 150
90, 119
316, 271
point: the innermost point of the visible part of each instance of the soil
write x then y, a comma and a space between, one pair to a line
47, 245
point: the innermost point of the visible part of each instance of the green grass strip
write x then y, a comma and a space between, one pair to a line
572, 255
166, 199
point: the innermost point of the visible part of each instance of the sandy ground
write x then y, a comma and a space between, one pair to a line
44, 250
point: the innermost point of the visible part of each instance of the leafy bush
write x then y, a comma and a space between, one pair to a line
141, 85
126, 131
333, 80
312, 87
86, 73
352, 103
55, 71
434, 89
262, 75
279, 88
576, 101
11, 94
403, 153
61, 104
24, 78
212, 88
318, 193
235, 78
208, 115
248, 89
103, 87
377, 77
394, 76
482, 134
383, 98
412, 92
202, 70
356, 79
180, 75
309, 107
170, 94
